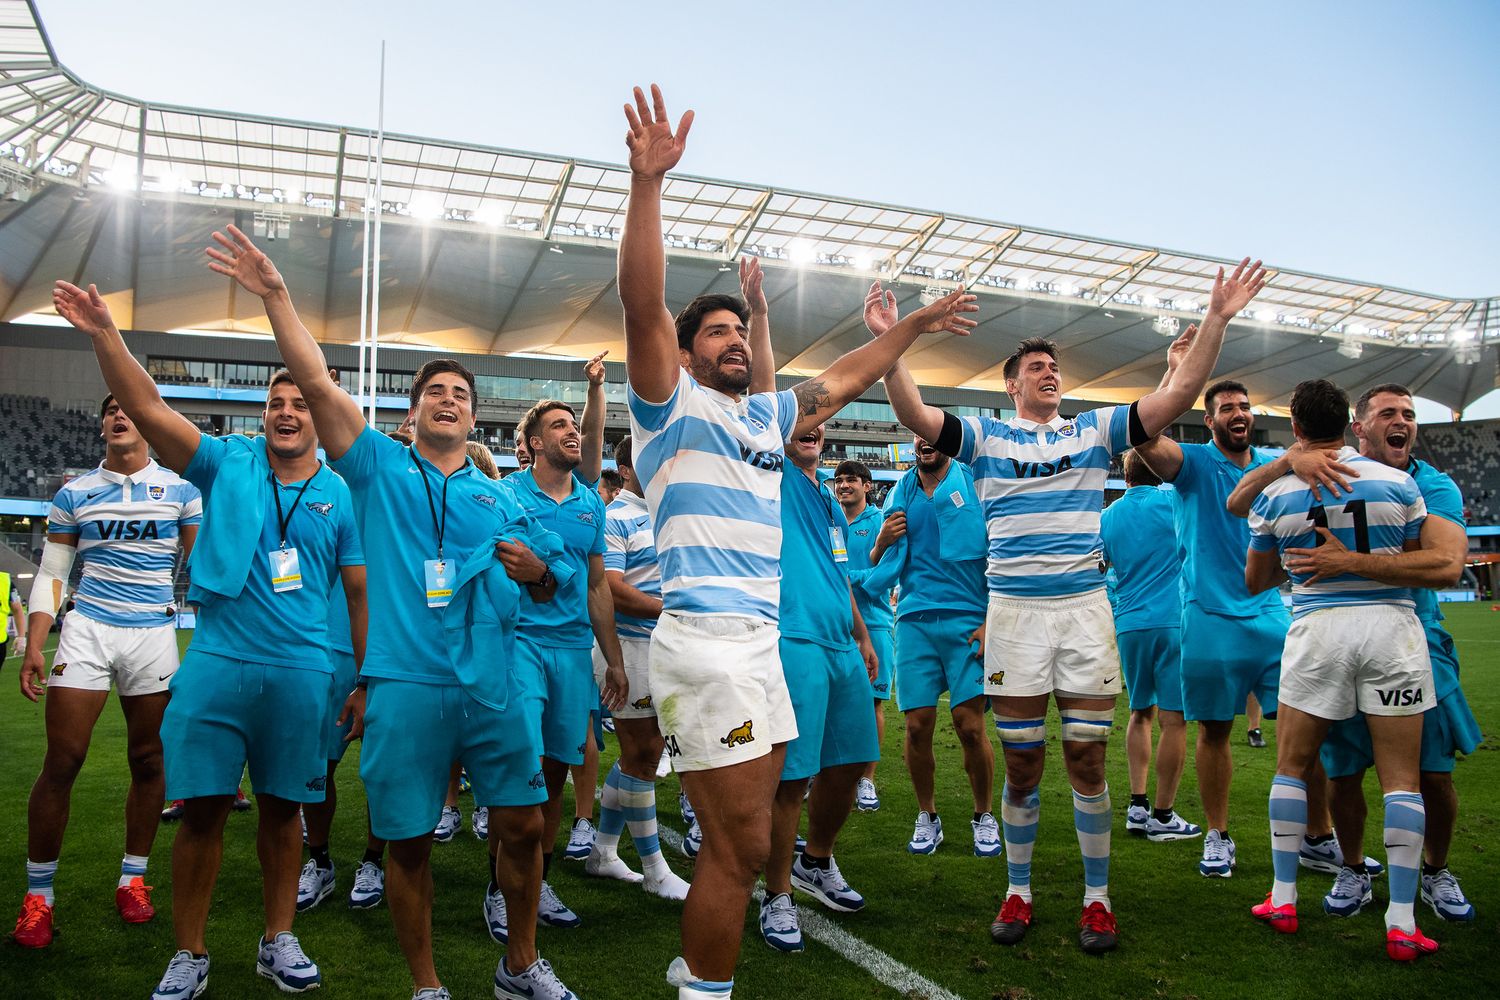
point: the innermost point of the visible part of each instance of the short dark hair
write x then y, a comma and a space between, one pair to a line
279, 376
623, 458
534, 416
109, 397
1363, 403
1321, 409
1137, 472
438, 366
1221, 386
1031, 345
691, 318
612, 479
849, 467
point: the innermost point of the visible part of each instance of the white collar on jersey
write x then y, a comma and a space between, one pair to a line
1022, 423
140, 475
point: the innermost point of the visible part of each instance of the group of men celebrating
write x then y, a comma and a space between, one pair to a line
730, 608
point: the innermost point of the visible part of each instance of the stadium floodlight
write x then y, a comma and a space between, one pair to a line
291, 195
1266, 315
1067, 289
801, 251
120, 180
1165, 325
1468, 352
490, 215
860, 262
425, 207
1461, 335
1351, 349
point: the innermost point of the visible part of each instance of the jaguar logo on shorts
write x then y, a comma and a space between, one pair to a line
998, 677
156, 492
739, 735
318, 784
319, 507
641, 702
537, 781
58, 668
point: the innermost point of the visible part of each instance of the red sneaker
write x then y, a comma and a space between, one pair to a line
1404, 947
1012, 921
134, 901
34, 925
1283, 918
240, 802
1097, 931
173, 810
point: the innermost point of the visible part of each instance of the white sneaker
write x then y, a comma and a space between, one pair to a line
1218, 856
186, 977
551, 910
496, 919
927, 835
369, 886
313, 886
448, 824
1136, 818
688, 816
580, 840
602, 864
986, 836
283, 961
866, 799
692, 843
479, 822
666, 884
1350, 894
1443, 893
432, 993
827, 885
779, 926
538, 982
1175, 828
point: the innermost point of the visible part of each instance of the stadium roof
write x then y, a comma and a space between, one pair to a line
488, 249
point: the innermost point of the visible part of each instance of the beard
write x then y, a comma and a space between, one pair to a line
716, 378
1225, 439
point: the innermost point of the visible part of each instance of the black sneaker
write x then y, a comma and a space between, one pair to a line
1256, 739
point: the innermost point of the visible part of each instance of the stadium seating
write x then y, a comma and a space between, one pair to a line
40, 441
1470, 453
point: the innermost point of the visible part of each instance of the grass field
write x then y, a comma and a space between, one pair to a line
1181, 935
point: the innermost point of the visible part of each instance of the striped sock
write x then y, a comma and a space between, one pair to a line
611, 816
132, 866
1288, 827
39, 878
1019, 822
638, 802
704, 989
1091, 818
1405, 823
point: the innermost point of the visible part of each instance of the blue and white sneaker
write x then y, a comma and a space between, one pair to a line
551, 911
580, 840
1218, 856
432, 993
608, 725
496, 920
1443, 893
866, 799
778, 923
479, 822
688, 816
1136, 818
927, 835
186, 977
313, 886
986, 836
1350, 894
538, 982
282, 961
826, 885
1328, 857
1175, 828
448, 824
369, 886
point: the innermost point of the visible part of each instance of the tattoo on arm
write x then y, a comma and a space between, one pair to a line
812, 396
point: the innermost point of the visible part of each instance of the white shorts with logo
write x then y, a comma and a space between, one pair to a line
91, 655
1369, 657
1051, 645
636, 653
719, 692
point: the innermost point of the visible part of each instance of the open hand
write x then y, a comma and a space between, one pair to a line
946, 315
880, 309
1328, 560
654, 148
244, 262
1233, 294
1180, 347
1320, 467
84, 309
752, 280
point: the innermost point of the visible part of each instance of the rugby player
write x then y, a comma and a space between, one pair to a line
710, 461
127, 519
12, 615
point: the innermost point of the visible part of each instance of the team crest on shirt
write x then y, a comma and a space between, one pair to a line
319, 507
156, 492
485, 499
587, 517
861, 532
1067, 430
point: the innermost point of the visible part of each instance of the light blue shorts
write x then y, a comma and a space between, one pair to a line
225, 713
884, 642
830, 693
344, 673
1225, 660
1152, 661
570, 695
934, 655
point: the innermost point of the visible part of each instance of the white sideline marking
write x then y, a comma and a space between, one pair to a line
877, 963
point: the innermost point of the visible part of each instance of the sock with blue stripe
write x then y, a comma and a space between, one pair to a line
637, 799
1019, 822
704, 989
611, 815
1288, 811
132, 866
39, 876
1405, 825
1091, 819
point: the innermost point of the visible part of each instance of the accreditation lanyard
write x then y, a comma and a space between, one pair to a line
437, 574
286, 568
835, 534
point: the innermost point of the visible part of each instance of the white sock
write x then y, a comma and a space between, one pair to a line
132, 866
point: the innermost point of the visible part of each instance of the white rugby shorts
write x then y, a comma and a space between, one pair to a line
1051, 645
92, 655
636, 653
1369, 657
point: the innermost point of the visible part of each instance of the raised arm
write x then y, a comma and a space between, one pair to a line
763, 365
335, 413
651, 359
595, 406
821, 397
1230, 295
169, 433
1162, 454
900, 388
1319, 468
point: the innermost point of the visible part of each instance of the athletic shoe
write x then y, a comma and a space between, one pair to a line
1328, 857
608, 725
448, 824
927, 835
1256, 738
552, 912
185, 977
1218, 856
826, 885
664, 764
688, 816
693, 842
607, 864
1136, 818
282, 961
778, 923
34, 925
1175, 828
495, 918
669, 886
1011, 923
465, 786
800, 845
1404, 947
986, 836
1283, 918
479, 822
538, 982
240, 803
172, 810
369, 886
866, 799
432, 993
580, 840
313, 886
1097, 930
1350, 894
134, 901
1443, 894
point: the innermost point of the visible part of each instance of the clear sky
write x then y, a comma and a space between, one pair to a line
1358, 140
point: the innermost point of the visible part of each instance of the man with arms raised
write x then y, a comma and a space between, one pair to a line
127, 519
710, 461
423, 510
1049, 631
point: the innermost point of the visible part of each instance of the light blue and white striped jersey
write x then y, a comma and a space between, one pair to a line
711, 468
630, 550
1042, 488
127, 528
1382, 510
